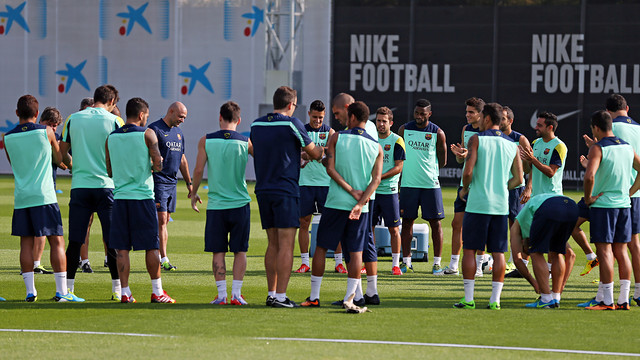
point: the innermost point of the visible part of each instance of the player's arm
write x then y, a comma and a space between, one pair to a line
64, 150
151, 140
595, 157
56, 155
108, 158
250, 147
467, 171
524, 143
459, 150
198, 172
398, 159
636, 166
401, 131
376, 174
526, 193
548, 170
6, 152
516, 172
441, 148
395, 170
314, 152
184, 170
517, 249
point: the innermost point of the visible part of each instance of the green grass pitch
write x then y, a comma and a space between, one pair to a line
415, 308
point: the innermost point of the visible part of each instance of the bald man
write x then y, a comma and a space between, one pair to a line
171, 144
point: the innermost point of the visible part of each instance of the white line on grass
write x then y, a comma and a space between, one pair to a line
454, 346
81, 332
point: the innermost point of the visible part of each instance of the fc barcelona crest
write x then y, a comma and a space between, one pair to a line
387, 147
322, 136
427, 136
179, 137
546, 151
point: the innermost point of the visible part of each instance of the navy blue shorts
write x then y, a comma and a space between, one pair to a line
227, 230
583, 210
335, 227
610, 225
134, 225
430, 200
481, 230
460, 205
44, 220
165, 195
635, 215
514, 202
386, 207
278, 211
84, 202
312, 199
552, 225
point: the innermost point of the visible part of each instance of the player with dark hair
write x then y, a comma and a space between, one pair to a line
30, 149
171, 145
606, 191
314, 182
354, 163
86, 132
277, 139
225, 152
491, 157
132, 153
426, 151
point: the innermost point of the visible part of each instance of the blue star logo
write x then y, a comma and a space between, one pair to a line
9, 127
257, 17
73, 73
196, 75
14, 15
135, 16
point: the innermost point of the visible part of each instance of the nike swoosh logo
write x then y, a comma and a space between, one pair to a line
534, 117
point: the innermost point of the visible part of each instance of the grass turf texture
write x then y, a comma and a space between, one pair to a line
415, 307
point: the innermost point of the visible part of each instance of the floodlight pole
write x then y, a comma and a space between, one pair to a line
282, 20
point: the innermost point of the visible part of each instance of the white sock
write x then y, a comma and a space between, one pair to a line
271, 293
453, 264
305, 258
316, 282
436, 260
236, 288
358, 290
468, 289
352, 284
479, 261
591, 256
61, 282
496, 290
526, 262
607, 292
126, 291
156, 285
105, 258
407, 260
338, 258
555, 296
281, 296
36, 264
29, 283
372, 285
116, 286
395, 260
222, 288
71, 284
546, 297
636, 291
625, 287
600, 293
164, 260
510, 257
549, 265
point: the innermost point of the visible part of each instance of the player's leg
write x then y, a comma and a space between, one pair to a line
26, 266
569, 260
38, 249
433, 211
239, 222
163, 234
409, 202
81, 206
497, 244
456, 243
85, 265
220, 276
558, 269
634, 249
270, 260
474, 234
124, 268
105, 212
303, 241
581, 239
284, 263
59, 264
624, 271
330, 230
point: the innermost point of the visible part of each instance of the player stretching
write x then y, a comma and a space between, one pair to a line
135, 222
491, 155
30, 148
225, 152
